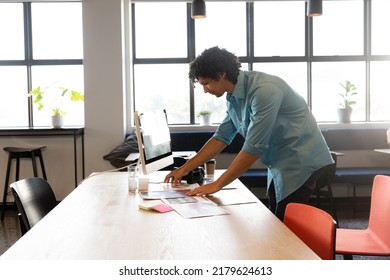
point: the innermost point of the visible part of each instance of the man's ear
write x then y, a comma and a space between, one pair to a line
221, 76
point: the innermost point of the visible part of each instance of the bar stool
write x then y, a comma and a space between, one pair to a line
18, 153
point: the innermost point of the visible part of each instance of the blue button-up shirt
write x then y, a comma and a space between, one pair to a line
277, 126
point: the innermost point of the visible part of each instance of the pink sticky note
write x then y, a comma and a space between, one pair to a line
162, 208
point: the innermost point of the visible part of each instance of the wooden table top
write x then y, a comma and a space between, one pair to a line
100, 220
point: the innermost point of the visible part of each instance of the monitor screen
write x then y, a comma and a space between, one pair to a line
154, 140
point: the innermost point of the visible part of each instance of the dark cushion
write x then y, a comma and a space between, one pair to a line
253, 178
194, 141
118, 155
358, 176
356, 139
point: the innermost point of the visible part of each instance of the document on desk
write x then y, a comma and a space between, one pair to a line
163, 194
201, 208
166, 190
230, 197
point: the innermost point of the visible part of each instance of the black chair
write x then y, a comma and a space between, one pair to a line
34, 198
323, 187
17, 153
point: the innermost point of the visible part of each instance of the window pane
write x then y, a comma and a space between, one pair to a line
225, 29
11, 31
340, 29
163, 86
294, 73
380, 27
13, 90
380, 95
57, 30
279, 28
160, 30
327, 77
70, 77
206, 101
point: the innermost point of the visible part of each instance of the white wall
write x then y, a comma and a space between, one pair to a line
104, 90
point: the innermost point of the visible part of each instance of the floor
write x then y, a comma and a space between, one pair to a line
10, 230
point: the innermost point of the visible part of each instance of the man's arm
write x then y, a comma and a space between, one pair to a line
240, 164
212, 148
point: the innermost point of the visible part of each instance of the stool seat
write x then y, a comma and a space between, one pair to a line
20, 152
17, 153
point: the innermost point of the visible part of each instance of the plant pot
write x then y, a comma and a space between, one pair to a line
344, 115
57, 121
205, 120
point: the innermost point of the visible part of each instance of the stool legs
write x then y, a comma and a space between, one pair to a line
17, 169
42, 165
34, 164
11, 156
6, 186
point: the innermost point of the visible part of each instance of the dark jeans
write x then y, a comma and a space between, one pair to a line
301, 195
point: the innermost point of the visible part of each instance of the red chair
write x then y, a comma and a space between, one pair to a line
375, 239
315, 227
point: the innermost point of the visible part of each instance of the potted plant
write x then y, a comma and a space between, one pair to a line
56, 97
347, 101
205, 117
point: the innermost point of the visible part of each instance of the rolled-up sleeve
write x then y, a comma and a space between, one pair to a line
264, 104
226, 131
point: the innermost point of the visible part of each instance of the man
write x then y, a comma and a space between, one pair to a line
274, 120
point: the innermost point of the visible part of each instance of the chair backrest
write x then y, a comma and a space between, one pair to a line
379, 219
34, 198
315, 227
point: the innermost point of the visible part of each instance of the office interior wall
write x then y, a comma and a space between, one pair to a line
104, 84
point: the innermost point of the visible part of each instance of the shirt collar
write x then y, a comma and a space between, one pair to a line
238, 91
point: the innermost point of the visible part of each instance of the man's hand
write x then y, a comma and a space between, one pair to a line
175, 176
205, 189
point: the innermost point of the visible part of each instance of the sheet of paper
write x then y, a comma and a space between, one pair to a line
229, 197
163, 194
201, 208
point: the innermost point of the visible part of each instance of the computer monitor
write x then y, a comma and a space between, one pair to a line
154, 140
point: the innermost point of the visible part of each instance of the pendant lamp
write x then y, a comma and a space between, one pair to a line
314, 8
198, 9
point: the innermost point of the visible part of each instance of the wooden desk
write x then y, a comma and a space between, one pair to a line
52, 132
101, 220
383, 151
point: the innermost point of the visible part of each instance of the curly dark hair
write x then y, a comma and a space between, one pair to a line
214, 61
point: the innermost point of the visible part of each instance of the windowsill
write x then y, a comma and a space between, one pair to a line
355, 125
184, 128
352, 125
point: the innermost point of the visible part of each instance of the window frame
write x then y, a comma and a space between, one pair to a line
29, 61
367, 57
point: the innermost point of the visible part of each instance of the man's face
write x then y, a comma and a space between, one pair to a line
214, 87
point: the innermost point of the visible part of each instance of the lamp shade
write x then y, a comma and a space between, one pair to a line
198, 9
314, 8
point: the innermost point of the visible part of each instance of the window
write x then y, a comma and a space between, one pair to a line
380, 21
276, 37
41, 46
314, 55
229, 32
334, 33
327, 77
